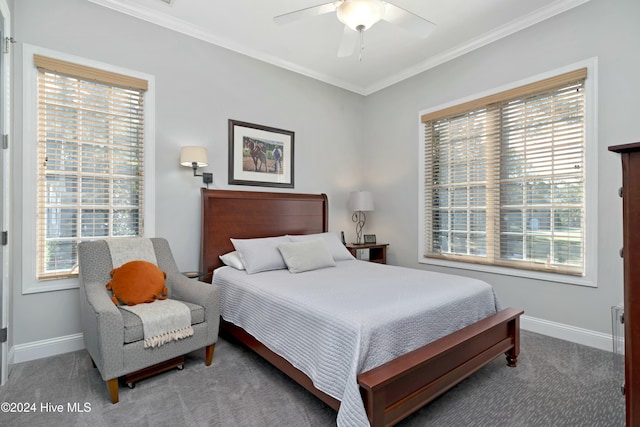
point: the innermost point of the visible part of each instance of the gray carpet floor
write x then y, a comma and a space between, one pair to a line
556, 383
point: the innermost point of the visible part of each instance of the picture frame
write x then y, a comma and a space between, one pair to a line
260, 155
370, 238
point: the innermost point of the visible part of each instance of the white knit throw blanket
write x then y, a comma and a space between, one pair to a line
163, 321
127, 249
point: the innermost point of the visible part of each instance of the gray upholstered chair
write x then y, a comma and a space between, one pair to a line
114, 337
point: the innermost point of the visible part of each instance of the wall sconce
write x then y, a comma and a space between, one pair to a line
360, 201
196, 157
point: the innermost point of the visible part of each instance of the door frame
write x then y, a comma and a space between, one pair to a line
5, 170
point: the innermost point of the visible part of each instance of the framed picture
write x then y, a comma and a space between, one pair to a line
260, 155
369, 238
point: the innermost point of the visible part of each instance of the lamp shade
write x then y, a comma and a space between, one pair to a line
360, 14
191, 155
360, 201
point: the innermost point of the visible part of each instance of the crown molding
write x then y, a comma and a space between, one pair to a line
189, 29
501, 32
184, 27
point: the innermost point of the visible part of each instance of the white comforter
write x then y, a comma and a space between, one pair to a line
338, 322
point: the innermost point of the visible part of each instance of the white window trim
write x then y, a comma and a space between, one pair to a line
30, 284
591, 183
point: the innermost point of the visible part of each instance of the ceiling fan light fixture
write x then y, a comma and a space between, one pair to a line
360, 15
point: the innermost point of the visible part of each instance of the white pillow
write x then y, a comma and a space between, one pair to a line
306, 255
232, 259
335, 246
260, 254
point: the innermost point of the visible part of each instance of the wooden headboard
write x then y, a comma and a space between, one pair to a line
247, 214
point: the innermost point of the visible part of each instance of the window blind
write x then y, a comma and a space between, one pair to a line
504, 178
90, 160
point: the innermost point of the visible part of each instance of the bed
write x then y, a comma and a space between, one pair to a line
387, 392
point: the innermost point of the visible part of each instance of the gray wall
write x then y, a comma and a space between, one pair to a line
607, 29
198, 88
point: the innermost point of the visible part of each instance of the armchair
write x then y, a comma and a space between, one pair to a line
114, 337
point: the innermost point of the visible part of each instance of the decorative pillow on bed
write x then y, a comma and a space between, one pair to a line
232, 259
136, 282
335, 246
260, 254
306, 255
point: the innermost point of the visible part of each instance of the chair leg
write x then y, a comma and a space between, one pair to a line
113, 389
209, 354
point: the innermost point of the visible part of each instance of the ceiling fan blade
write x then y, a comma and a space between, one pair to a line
348, 42
305, 13
408, 21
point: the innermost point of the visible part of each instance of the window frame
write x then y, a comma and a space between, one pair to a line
30, 283
590, 174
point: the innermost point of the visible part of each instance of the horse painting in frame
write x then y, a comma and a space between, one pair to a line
259, 145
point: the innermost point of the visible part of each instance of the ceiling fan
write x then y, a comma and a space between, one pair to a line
360, 15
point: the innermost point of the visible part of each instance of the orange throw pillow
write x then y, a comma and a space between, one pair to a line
137, 282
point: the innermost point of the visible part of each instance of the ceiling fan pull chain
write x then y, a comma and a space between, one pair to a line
361, 31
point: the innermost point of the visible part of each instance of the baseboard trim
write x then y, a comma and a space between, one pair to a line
567, 332
45, 348
51, 347
11, 356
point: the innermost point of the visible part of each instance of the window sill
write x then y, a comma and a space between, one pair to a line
38, 286
506, 271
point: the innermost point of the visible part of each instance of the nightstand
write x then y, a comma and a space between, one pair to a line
377, 251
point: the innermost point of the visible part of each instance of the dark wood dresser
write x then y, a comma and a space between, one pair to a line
630, 154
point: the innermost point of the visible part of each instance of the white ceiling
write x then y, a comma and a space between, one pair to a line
310, 46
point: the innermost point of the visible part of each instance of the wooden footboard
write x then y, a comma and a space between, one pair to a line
398, 388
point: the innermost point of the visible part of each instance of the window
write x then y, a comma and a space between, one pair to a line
90, 160
86, 127
504, 178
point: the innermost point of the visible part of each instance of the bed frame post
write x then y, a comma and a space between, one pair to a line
514, 331
374, 404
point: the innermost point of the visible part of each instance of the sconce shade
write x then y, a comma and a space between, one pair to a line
360, 201
191, 155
